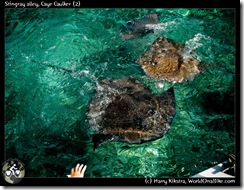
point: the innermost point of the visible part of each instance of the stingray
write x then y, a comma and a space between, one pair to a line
125, 110
138, 28
169, 60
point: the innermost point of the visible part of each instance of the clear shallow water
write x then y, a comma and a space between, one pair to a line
53, 60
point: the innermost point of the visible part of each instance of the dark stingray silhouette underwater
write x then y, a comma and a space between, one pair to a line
138, 28
124, 110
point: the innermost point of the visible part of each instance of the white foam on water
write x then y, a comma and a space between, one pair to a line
161, 26
160, 85
192, 44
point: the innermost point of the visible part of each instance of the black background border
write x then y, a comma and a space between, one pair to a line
136, 181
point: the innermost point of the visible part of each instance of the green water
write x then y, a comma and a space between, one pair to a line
53, 59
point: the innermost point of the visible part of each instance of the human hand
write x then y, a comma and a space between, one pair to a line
78, 171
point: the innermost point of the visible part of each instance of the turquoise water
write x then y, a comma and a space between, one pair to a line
53, 59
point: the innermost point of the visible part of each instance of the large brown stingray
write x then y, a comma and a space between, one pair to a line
125, 110
167, 60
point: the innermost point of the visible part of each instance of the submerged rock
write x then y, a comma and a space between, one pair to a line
169, 60
138, 28
125, 110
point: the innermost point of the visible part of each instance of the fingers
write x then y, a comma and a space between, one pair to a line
78, 171
83, 171
77, 167
80, 168
72, 172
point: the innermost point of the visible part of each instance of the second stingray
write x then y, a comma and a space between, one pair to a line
169, 60
125, 110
